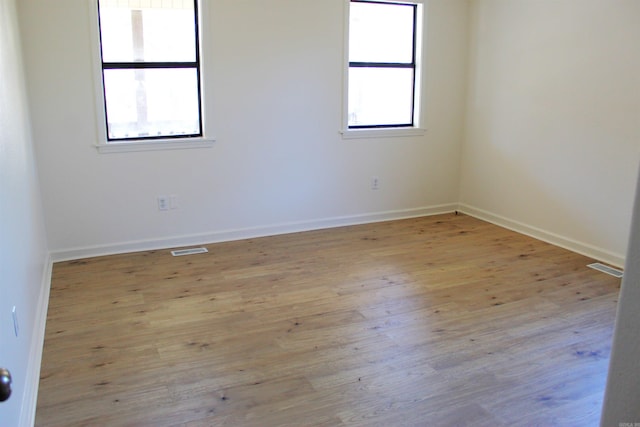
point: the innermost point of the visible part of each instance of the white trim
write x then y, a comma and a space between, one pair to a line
154, 145
205, 32
247, 233
616, 260
345, 64
98, 85
32, 380
420, 29
381, 132
96, 61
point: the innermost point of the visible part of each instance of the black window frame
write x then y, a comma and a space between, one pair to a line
398, 65
154, 65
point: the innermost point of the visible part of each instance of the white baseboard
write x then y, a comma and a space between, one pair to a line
613, 259
32, 381
247, 233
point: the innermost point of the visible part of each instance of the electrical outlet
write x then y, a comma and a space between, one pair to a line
163, 203
375, 183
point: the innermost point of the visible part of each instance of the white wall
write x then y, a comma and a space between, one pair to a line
553, 120
24, 265
274, 90
622, 396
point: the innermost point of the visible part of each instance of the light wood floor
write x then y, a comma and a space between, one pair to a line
438, 321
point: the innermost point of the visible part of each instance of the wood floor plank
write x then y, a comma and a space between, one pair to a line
438, 321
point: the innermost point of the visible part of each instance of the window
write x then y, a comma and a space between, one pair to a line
383, 72
150, 56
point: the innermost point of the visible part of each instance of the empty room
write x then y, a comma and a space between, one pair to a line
319, 212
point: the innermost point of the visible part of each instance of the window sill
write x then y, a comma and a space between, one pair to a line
154, 145
381, 132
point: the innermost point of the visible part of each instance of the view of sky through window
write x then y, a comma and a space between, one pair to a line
381, 36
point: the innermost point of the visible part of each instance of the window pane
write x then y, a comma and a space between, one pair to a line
151, 102
381, 32
380, 96
163, 31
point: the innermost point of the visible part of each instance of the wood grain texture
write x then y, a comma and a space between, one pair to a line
437, 321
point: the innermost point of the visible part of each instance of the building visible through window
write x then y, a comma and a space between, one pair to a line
150, 69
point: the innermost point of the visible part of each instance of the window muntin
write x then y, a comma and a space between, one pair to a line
382, 64
150, 69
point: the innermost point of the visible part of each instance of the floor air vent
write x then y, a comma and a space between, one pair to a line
606, 269
192, 251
